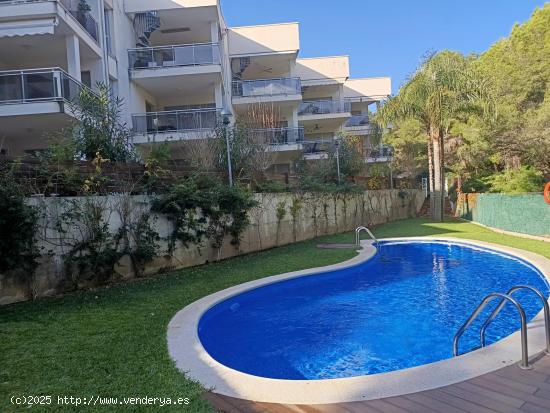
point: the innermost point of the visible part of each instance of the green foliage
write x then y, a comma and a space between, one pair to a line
518, 181
410, 147
322, 174
202, 207
474, 185
99, 129
280, 211
93, 250
271, 187
517, 70
18, 226
146, 240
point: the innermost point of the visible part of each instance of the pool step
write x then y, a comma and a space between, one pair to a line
338, 246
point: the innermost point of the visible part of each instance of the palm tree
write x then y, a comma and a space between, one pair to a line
444, 89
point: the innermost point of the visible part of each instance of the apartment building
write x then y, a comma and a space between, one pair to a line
179, 69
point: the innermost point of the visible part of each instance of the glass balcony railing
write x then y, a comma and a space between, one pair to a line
278, 136
357, 121
34, 85
267, 87
175, 121
318, 146
382, 151
82, 16
322, 107
170, 56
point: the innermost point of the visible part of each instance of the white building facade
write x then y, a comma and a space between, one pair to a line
179, 70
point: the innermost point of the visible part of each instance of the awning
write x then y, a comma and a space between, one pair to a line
28, 27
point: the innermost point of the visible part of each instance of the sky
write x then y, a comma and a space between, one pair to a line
386, 38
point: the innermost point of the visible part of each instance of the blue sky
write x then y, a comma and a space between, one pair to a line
386, 38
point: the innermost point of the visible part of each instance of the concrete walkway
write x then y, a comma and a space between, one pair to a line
508, 390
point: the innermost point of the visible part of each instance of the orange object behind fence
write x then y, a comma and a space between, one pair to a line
547, 193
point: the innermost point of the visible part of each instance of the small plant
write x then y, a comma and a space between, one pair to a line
295, 209
280, 213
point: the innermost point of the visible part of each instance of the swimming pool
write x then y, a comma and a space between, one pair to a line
399, 309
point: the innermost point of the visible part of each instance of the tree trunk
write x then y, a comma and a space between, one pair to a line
430, 173
439, 182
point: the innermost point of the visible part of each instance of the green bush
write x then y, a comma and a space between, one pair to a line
18, 225
518, 181
474, 185
203, 207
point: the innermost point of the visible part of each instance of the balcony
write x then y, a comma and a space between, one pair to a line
280, 139
279, 89
381, 154
200, 54
83, 17
325, 116
37, 85
33, 105
318, 148
49, 17
169, 69
323, 107
359, 125
175, 125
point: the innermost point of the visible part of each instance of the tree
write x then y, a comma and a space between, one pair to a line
98, 129
518, 68
410, 147
444, 89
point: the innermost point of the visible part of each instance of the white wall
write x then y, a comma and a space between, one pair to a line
266, 39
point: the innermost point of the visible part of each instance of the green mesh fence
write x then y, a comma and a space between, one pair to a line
527, 214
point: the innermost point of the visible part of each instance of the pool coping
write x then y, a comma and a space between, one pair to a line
192, 359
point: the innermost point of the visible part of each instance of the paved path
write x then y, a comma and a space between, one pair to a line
508, 390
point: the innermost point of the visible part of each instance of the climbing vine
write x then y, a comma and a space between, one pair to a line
202, 208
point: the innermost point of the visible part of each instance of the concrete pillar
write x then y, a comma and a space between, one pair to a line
292, 71
73, 56
294, 120
218, 96
214, 32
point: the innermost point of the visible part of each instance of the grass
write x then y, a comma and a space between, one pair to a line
111, 342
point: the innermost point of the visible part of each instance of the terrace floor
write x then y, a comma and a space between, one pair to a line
507, 390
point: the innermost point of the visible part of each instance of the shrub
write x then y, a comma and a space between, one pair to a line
203, 207
18, 225
517, 181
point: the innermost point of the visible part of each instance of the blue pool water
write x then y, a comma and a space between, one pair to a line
400, 309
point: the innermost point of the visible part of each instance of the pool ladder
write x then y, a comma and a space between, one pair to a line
368, 231
504, 298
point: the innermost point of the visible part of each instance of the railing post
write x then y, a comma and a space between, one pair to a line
23, 89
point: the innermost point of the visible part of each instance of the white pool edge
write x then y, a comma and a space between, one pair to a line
192, 359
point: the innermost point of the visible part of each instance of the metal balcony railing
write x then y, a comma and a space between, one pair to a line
175, 121
278, 136
267, 87
199, 54
322, 107
35, 85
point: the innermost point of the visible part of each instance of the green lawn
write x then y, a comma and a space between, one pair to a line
111, 342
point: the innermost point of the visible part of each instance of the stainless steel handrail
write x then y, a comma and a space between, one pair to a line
501, 305
368, 231
524, 350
